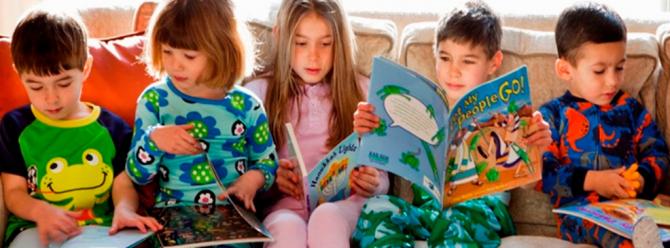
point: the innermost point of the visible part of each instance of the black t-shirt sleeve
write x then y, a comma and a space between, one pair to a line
121, 135
11, 127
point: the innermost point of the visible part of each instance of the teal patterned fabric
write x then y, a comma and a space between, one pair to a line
389, 221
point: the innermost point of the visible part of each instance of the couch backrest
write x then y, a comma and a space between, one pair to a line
663, 92
537, 50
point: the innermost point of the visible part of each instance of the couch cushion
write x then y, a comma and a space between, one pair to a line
116, 79
538, 50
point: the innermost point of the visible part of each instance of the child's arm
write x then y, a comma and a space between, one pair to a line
53, 224
126, 203
563, 182
651, 154
151, 140
261, 156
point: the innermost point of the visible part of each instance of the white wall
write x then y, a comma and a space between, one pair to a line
10, 11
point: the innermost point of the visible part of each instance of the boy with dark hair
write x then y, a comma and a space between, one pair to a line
62, 159
598, 130
467, 52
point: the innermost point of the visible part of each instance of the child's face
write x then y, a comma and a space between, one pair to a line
312, 48
56, 96
598, 73
184, 67
461, 67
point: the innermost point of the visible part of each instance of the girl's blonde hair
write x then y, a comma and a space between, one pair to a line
284, 89
208, 26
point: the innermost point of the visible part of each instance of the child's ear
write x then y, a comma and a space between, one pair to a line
87, 66
496, 61
562, 68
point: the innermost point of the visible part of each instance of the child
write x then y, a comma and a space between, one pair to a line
313, 85
467, 51
197, 50
598, 130
47, 147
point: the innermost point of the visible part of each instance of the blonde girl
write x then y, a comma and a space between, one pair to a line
196, 50
312, 83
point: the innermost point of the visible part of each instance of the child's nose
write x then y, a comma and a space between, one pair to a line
51, 96
313, 53
612, 80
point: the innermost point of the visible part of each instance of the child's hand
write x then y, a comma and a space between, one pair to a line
539, 134
364, 118
364, 181
608, 183
245, 188
124, 217
57, 225
288, 181
175, 139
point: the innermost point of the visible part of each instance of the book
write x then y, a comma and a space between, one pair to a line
469, 151
619, 216
98, 236
329, 179
207, 224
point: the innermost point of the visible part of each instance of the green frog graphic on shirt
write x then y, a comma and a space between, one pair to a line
79, 186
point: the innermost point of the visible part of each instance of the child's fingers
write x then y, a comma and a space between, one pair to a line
365, 106
367, 170
366, 123
186, 127
286, 164
540, 138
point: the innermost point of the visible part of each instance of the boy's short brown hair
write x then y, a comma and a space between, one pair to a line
473, 23
586, 22
48, 42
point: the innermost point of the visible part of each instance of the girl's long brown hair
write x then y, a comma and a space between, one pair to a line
284, 91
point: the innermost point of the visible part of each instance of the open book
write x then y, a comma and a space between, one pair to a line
329, 179
473, 150
619, 216
98, 236
209, 225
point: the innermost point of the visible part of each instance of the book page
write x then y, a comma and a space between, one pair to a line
98, 236
329, 180
618, 216
410, 139
204, 225
487, 153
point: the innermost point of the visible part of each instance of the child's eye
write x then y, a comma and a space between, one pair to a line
64, 85
469, 62
599, 72
444, 58
300, 43
189, 57
168, 52
620, 68
35, 88
326, 44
